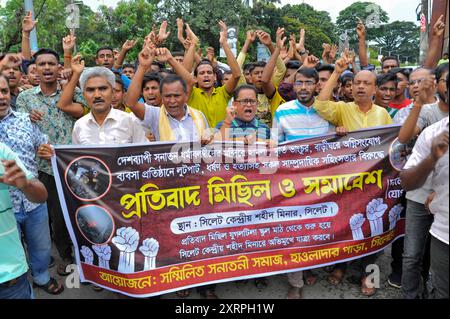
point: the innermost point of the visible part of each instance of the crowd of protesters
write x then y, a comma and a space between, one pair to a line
191, 96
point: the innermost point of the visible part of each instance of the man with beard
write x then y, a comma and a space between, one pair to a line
298, 119
55, 117
386, 88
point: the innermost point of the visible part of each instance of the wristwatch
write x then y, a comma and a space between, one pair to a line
302, 52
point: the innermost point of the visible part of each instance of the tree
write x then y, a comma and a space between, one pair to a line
400, 38
368, 12
317, 24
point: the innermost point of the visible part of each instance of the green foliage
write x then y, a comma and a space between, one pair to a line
348, 19
133, 19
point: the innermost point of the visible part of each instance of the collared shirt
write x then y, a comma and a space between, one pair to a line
12, 256
214, 107
183, 129
241, 129
350, 116
438, 178
118, 128
294, 120
267, 107
56, 124
24, 138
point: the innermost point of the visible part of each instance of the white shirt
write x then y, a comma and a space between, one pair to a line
184, 129
118, 128
438, 178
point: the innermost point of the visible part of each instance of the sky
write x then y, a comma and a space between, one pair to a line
403, 10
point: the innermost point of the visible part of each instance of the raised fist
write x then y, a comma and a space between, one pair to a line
104, 255
87, 254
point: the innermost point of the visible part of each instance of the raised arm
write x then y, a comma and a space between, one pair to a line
268, 87
434, 48
146, 57
27, 26
231, 60
416, 176
126, 47
361, 31
409, 128
340, 66
190, 55
163, 55
68, 44
66, 103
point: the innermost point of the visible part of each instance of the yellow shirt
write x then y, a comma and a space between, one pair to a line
350, 116
214, 107
267, 107
277, 77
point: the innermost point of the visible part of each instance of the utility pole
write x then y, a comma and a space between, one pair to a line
29, 6
424, 31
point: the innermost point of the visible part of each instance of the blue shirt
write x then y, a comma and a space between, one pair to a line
24, 138
295, 121
241, 129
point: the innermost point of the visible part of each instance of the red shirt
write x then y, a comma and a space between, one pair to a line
405, 103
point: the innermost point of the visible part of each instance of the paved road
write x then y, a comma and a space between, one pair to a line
276, 289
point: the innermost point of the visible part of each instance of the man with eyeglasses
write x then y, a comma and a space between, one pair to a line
429, 111
426, 110
298, 119
241, 122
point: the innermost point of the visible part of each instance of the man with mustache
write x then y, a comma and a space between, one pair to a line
104, 124
55, 116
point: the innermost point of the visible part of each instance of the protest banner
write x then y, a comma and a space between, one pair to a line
150, 219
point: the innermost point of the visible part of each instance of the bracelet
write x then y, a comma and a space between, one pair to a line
227, 123
67, 57
26, 37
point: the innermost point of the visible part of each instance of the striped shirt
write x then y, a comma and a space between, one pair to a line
294, 121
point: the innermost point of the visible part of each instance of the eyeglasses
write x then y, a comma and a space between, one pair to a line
247, 102
414, 82
307, 83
